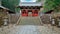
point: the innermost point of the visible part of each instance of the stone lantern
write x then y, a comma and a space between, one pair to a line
5, 19
53, 21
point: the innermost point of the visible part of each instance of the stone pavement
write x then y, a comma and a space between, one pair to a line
29, 25
29, 29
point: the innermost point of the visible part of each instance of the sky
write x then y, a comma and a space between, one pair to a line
28, 0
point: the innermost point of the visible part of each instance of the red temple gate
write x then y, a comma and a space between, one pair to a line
26, 12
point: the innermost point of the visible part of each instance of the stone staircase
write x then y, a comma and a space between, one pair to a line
29, 21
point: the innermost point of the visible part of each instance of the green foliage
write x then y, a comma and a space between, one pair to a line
11, 4
52, 5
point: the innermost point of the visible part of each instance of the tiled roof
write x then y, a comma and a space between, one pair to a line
4, 7
30, 4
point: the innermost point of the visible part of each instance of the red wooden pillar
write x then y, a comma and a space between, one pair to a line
26, 12
32, 12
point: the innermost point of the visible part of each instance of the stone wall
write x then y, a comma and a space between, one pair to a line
45, 18
13, 18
